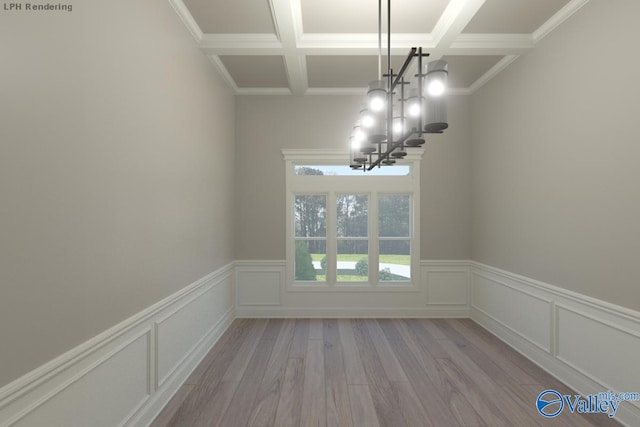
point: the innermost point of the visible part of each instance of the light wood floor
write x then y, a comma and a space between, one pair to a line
343, 372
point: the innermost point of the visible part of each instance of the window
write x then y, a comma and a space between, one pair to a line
350, 232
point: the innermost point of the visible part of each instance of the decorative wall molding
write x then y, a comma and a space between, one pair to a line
259, 283
440, 289
590, 345
125, 375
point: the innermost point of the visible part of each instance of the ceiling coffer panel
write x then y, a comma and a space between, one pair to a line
346, 71
513, 16
232, 17
256, 71
361, 16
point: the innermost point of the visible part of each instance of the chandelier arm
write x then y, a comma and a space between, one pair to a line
406, 64
393, 146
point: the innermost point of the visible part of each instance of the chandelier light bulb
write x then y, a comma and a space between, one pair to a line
376, 104
398, 126
367, 121
414, 109
436, 88
359, 136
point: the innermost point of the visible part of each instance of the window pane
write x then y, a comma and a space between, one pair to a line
394, 213
353, 212
395, 261
309, 262
311, 216
353, 261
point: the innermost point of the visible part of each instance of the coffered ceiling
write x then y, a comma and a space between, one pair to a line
306, 47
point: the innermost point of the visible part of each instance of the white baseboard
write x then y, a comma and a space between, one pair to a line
124, 376
351, 312
590, 345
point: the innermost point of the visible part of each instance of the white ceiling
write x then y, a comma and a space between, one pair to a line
305, 47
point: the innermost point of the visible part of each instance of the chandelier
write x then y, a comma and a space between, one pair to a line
400, 109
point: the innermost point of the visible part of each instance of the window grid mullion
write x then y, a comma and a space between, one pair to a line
374, 249
331, 239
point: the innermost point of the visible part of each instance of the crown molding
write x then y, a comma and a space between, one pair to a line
187, 19
557, 19
241, 44
368, 41
222, 70
263, 91
492, 72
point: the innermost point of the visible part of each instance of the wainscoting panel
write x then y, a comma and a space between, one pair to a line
591, 345
259, 282
604, 351
110, 392
526, 314
446, 284
180, 332
440, 289
124, 376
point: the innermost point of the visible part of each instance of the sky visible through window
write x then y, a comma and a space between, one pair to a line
344, 170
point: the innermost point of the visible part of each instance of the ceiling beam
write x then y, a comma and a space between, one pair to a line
287, 18
453, 20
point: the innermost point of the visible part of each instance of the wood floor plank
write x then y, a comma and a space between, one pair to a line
422, 335
431, 396
337, 392
314, 408
384, 398
454, 399
491, 391
352, 362
315, 329
300, 337
264, 410
214, 408
363, 412
411, 407
164, 418
514, 372
507, 387
232, 333
290, 402
477, 399
432, 329
223, 355
236, 369
387, 357
239, 410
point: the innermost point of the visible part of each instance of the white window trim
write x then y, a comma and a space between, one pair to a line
308, 184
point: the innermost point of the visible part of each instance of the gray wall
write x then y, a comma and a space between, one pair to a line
555, 158
267, 124
116, 172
